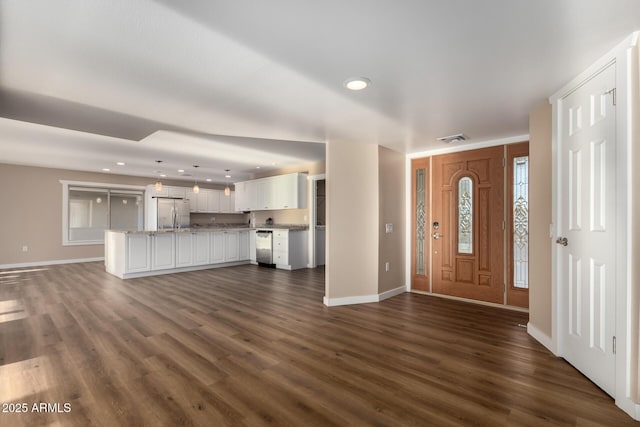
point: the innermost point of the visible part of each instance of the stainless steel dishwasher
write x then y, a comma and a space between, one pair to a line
264, 247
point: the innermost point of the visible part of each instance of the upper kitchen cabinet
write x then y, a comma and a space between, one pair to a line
277, 192
210, 201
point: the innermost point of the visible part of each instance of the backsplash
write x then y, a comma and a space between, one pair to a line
284, 216
220, 218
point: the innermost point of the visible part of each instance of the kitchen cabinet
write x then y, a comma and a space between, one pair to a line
141, 254
163, 251
178, 192
246, 196
138, 256
265, 195
290, 250
243, 245
210, 201
227, 203
252, 246
184, 249
192, 248
202, 248
217, 247
278, 192
231, 243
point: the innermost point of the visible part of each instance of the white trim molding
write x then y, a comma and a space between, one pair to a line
52, 262
363, 299
470, 146
541, 337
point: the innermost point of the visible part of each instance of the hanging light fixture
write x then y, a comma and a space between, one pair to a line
158, 182
227, 189
196, 187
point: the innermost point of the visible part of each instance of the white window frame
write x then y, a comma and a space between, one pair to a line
65, 206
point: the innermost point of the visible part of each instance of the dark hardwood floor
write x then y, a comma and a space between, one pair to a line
253, 346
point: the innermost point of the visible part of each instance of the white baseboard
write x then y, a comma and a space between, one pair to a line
363, 299
630, 407
541, 337
54, 262
392, 293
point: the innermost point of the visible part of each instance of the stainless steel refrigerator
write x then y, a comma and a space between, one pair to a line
173, 213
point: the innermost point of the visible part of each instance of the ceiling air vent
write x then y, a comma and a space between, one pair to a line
453, 138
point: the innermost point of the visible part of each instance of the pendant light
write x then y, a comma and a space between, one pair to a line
227, 189
158, 182
196, 187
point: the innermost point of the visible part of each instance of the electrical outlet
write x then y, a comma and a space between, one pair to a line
386, 266
388, 228
25, 248
305, 217
213, 219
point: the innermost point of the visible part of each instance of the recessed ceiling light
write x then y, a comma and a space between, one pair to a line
227, 176
257, 167
180, 170
209, 180
106, 169
163, 175
120, 163
357, 83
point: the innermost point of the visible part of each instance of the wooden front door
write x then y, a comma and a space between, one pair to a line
467, 224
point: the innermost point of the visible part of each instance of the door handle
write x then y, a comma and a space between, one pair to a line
436, 235
562, 241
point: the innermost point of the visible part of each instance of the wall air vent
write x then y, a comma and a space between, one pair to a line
453, 138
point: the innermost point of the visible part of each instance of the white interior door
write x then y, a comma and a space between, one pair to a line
586, 260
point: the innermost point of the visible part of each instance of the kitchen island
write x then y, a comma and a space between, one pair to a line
130, 254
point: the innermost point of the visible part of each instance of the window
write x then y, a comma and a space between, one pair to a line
91, 208
465, 215
520, 212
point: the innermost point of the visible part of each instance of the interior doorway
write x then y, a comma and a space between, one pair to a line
317, 220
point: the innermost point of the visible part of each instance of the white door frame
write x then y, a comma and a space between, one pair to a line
312, 181
621, 56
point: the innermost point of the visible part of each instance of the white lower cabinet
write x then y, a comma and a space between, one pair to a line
217, 247
231, 239
163, 251
202, 248
138, 257
184, 249
142, 254
290, 250
252, 246
243, 245
192, 249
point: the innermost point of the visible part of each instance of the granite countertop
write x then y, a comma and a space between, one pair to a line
218, 227
290, 227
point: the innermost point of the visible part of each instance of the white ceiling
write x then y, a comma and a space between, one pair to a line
243, 83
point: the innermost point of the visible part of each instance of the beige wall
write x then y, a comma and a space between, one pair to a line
391, 166
352, 219
540, 218
32, 212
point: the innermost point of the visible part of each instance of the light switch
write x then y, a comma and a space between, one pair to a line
389, 228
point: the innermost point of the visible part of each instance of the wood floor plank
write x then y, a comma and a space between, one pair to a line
253, 346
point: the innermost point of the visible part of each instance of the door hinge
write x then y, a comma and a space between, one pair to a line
614, 345
504, 162
614, 98
504, 288
503, 225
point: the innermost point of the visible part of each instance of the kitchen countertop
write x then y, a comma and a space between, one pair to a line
222, 227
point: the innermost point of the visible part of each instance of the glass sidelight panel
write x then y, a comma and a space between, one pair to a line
421, 219
521, 222
465, 216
